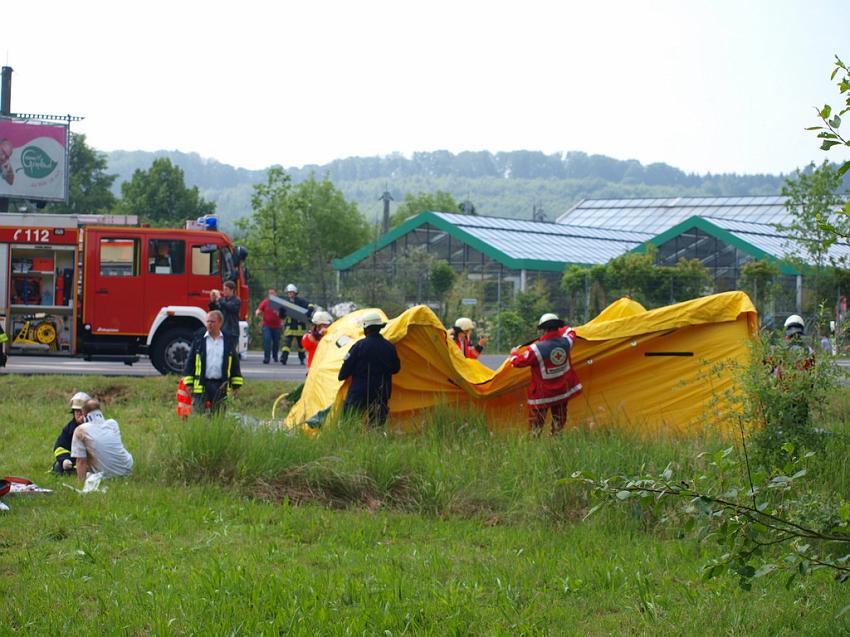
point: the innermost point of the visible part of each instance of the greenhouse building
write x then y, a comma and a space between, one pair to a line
507, 255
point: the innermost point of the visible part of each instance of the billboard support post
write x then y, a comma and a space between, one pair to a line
5, 109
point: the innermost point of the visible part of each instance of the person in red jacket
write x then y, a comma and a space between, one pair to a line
553, 379
310, 341
461, 334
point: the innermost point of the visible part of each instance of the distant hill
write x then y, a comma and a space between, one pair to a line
504, 184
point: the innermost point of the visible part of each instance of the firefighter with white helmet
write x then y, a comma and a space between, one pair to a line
461, 334
62, 461
293, 329
794, 324
321, 321
553, 380
370, 363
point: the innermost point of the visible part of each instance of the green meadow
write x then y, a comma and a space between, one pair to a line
229, 528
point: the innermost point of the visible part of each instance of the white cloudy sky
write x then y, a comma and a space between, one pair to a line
720, 86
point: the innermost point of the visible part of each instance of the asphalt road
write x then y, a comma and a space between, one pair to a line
252, 367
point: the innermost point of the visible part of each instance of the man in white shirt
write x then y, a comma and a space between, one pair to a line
212, 369
97, 446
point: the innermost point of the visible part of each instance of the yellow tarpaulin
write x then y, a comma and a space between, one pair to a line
652, 371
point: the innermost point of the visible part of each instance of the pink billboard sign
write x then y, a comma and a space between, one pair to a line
33, 160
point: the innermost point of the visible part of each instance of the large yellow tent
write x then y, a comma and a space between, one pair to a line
652, 371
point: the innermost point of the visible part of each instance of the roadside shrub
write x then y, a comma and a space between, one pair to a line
784, 393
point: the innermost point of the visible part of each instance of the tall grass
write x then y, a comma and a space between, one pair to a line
227, 527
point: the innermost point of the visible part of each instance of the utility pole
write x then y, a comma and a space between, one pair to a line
386, 198
5, 111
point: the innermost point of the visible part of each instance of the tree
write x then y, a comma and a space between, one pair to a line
88, 183
438, 201
812, 200
442, 278
330, 227
265, 233
760, 279
831, 118
160, 196
295, 231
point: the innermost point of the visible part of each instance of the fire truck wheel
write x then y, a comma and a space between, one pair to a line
171, 349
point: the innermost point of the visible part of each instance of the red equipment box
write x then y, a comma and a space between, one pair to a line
42, 264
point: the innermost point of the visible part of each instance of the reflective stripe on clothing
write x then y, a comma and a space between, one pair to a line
60, 450
554, 399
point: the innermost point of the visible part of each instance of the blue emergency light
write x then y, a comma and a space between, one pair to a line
209, 221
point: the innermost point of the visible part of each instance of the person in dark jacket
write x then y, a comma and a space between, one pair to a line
293, 329
371, 363
62, 460
212, 369
229, 305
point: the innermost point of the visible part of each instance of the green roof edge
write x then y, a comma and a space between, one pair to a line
432, 218
719, 233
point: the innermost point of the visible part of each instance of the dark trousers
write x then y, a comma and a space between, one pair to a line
375, 412
537, 417
271, 343
211, 399
288, 346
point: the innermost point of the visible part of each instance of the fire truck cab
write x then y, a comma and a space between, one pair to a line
102, 286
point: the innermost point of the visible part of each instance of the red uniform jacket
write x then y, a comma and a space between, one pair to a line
553, 379
310, 342
467, 349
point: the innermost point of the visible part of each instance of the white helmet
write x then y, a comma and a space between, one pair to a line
794, 324
78, 400
464, 324
794, 319
548, 317
372, 318
321, 318
291, 288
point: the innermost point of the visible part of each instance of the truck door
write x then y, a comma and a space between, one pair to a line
167, 280
206, 272
114, 284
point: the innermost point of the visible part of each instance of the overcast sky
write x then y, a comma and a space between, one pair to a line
720, 86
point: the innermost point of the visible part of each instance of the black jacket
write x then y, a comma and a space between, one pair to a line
291, 325
229, 307
63, 442
196, 365
371, 363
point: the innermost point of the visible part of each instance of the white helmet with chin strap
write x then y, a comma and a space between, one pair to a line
372, 318
78, 400
795, 324
291, 288
464, 324
548, 318
321, 318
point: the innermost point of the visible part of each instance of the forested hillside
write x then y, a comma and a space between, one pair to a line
506, 184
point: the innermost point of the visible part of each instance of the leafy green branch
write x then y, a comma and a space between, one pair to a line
832, 119
746, 520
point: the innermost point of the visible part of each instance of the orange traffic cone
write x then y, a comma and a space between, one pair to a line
184, 400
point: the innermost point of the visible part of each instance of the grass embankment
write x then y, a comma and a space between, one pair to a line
228, 530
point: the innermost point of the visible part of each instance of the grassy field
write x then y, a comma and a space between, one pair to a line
227, 529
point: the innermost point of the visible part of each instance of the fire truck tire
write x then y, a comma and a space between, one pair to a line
171, 349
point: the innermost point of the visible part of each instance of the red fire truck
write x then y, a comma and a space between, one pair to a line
101, 286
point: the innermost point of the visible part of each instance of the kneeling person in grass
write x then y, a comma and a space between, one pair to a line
62, 461
97, 445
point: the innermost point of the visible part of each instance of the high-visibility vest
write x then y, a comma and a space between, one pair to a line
184, 399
